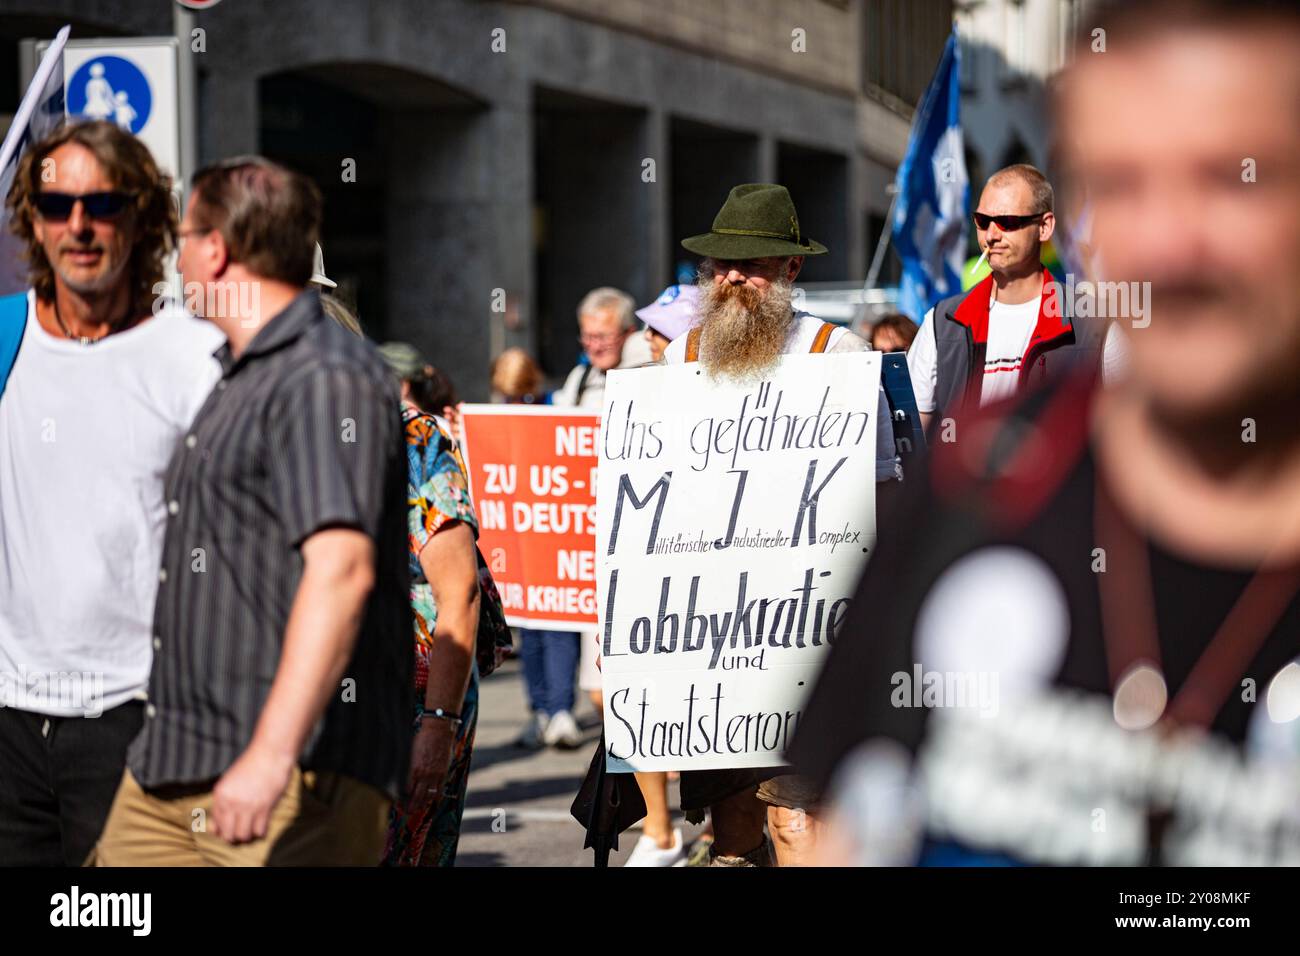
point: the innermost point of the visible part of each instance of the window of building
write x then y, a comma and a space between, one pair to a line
1015, 42
901, 47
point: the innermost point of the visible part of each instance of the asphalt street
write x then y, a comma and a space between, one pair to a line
517, 811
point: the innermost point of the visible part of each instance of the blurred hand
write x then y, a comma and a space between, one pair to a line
246, 794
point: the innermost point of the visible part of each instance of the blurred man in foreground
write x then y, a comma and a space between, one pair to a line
1090, 625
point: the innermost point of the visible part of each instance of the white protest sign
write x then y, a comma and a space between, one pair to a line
733, 521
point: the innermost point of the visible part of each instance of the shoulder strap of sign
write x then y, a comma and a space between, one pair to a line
693, 345
13, 322
823, 336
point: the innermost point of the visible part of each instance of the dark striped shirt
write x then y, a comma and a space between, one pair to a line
303, 432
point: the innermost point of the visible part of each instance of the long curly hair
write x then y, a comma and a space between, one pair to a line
131, 168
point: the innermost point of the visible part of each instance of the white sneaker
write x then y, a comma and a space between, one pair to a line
562, 731
533, 733
649, 853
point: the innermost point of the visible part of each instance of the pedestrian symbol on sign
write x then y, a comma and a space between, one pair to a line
110, 88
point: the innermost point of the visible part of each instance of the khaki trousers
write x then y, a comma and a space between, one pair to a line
323, 819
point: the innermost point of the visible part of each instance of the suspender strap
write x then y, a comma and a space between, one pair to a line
823, 336
818, 346
693, 345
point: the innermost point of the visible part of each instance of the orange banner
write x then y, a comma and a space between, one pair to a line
532, 472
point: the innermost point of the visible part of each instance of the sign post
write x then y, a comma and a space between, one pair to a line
187, 96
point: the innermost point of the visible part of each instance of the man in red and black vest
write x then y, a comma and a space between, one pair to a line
1012, 328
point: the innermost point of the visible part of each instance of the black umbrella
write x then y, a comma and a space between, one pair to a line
606, 804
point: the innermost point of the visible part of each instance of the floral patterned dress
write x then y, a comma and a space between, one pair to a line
437, 493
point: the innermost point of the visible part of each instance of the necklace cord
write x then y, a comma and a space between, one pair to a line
85, 339
1130, 628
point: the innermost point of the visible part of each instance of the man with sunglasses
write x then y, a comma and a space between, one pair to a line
985, 344
106, 379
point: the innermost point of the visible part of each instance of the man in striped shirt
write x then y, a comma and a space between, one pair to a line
277, 728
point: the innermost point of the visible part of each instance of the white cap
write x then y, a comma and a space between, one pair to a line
318, 275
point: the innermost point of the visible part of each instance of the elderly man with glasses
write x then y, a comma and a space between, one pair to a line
606, 321
606, 326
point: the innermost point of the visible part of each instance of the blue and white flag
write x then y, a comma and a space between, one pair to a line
39, 114
930, 211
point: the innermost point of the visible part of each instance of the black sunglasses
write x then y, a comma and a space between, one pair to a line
57, 207
1006, 223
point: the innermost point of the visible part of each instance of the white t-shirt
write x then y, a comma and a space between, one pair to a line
1010, 329
923, 364
86, 433
800, 342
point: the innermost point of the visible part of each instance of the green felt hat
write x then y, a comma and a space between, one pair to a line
756, 221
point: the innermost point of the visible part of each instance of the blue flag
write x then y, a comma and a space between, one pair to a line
929, 228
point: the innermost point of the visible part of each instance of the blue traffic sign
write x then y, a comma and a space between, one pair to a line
110, 88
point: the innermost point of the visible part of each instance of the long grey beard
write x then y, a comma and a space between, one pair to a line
743, 331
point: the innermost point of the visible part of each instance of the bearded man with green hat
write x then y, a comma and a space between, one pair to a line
745, 322
745, 318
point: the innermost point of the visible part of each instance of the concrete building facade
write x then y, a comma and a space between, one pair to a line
1010, 51
508, 156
